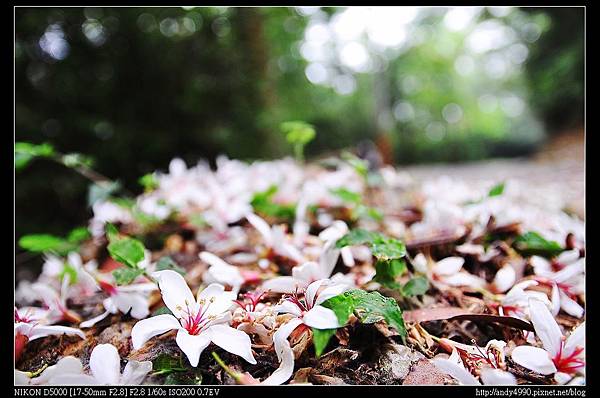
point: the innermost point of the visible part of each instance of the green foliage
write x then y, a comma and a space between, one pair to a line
416, 286
298, 134
368, 307
74, 160
359, 209
167, 263
532, 243
41, 243
149, 182
387, 272
25, 152
166, 364
262, 203
124, 275
127, 251
496, 190
360, 166
162, 310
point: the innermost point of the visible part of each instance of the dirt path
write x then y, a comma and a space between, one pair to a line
558, 169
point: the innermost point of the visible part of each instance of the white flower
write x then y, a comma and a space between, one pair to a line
105, 367
563, 357
309, 272
332, 234
275, 238
221, 272
126, 298
516, 301
105, 211
306, 311
487, 362
448, 272
81, 281
198, 322
567, 283
55, 302
32, 328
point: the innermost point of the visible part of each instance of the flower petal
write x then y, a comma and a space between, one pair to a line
328, 259
233, 341
320, 317
347, 256
570, 306
262, 227
287, 307
192, 345
135, 372
456, 371
220, 271
145, 329
311, 291
216, 299
307, 272
134, 302
448, 266
282, 284
545, 326
91, 322
575, 339
105, 364
569, 271
464, 279
330, 291
505, 278
175, 292
284, 353
533, 358
491, 376
66, 365
38, 331
73, 379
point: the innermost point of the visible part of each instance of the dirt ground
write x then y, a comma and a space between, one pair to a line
559, 167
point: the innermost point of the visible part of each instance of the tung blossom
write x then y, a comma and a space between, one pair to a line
560, 355
198, 321
309, 272
468, 361
105, 367
307, 311
568, 281
448, 272
275, 238
130, 298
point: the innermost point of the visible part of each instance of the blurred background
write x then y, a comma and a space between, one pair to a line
135, 87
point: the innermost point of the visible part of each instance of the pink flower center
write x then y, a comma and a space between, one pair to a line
565, 287
195, 323
570, 363
250, 301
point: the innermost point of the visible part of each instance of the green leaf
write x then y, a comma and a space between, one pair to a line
387, 272
262, 203
25, 152
356, 237
382, 247
371, 307
496, 190
78, 235
124, 276
149, 182
70, 272
415, 287
342, 306
166, 364
347, 196
388, 249
321, 338
124, 249
167, 263
40, 243
298, 132
532, 243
